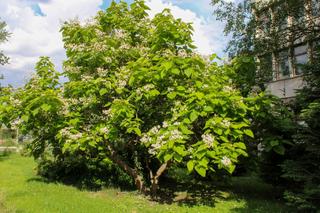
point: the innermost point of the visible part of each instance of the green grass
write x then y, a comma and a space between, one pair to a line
22, 191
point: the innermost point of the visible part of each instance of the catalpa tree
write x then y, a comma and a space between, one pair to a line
139, 96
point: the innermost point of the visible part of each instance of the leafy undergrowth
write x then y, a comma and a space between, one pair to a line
22, 191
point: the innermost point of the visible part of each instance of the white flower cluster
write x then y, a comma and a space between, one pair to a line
16, 123
120, 34
226, 123
65, 132
161, 139
226, 161
100, 33
102, 72
228, 89
107, 112
260, 147
208, 139
86, 78
76, 136
71, 69
104, 130
145, 139
145, 88
15, 102
154, 130
175, 135
165, 124
99, 47
182, 53
76, 47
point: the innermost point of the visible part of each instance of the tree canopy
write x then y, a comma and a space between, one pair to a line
138, 96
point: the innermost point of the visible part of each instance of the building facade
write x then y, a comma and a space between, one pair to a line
287, 32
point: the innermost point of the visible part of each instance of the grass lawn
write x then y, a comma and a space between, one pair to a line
22, 191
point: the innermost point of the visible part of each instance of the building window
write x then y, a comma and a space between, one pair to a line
265, 67
301, 57
283, 64
316, 7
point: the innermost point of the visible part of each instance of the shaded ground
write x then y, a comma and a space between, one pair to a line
22, 191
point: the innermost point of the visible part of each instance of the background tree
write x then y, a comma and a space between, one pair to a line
4, 34
258, 28
301, 167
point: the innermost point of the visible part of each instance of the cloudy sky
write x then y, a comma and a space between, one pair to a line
35, 25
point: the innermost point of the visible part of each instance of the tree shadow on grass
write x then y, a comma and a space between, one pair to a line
256, 195
4, 155
187, 194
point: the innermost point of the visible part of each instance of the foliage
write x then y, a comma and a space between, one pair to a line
4, 34
254, 30
138, 96
301, 169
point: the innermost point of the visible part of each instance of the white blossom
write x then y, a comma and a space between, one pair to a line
155, 129
228, 89
145, 139
226, 161
208, 139
175, 135
104, 130
165, 124
107, 112
260, 147
76, 136
226, 123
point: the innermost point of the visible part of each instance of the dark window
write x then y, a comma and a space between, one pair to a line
284, 68
301, 57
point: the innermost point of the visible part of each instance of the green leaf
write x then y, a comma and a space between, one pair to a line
201, 170
168, 65
175, 71
188, 72
137, 131
240, 145
25, 118
154, 92
279, 149
177, 157
185, 130
218, 131
274, 143
103, 91
179, 150
171, 95
167, 157
190, 165
208, 109
249, 133
45, 107
35, 112
181, 88
193, 116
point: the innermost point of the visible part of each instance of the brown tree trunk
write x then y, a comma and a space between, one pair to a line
155, 178
130, 171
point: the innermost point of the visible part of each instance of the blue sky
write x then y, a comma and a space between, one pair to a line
35, 25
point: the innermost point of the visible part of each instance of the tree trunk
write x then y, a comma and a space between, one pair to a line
155, 178
130, 171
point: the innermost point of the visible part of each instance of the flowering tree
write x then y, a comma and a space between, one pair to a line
139, 96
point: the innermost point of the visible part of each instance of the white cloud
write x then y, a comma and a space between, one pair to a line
34, 36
